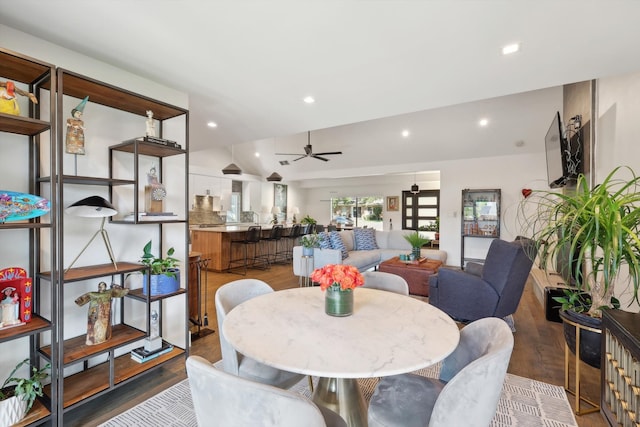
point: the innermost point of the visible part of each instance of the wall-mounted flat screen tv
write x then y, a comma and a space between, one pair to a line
564, 155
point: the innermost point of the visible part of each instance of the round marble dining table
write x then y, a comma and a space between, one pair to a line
387, 334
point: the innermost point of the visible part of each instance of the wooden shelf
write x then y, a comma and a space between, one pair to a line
147, 148
78, 86
89, 180
15, 66
95, 380
76, 349
25, 224
138, 295
95, 271
22, 125
36, 325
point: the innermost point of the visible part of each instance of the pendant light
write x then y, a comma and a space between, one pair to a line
414, 187
232, 168
274, 177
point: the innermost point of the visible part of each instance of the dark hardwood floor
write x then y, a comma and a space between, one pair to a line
538, 353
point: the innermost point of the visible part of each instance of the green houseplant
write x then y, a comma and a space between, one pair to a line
308, 242
308, 220
596, 231
416, 241
18, 394
165, 274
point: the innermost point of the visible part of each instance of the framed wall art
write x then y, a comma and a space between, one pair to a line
280, 200
393, 203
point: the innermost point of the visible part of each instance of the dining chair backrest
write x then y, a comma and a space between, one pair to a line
227, 297
474, 374
222, 399
385, 281
253, 234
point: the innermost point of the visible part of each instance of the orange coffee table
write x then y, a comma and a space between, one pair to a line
416, 273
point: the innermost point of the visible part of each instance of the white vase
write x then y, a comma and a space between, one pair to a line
12, 410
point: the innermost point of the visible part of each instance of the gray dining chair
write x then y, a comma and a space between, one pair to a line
227, 297
385, 282
465, 394
222, 399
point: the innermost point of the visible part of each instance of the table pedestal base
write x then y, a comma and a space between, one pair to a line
342, 396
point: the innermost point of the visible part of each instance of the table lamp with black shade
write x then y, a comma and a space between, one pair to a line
94, 207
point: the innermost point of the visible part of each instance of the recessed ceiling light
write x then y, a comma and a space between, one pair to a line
257, 154
510, 48
309, 99
483, 122
405, 133
212, 124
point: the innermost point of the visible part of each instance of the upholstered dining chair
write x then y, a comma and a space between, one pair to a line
222, 399
227, 297
385, 282
467, 392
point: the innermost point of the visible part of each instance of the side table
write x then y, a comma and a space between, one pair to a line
306, 268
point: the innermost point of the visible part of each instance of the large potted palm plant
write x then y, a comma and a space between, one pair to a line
596, 230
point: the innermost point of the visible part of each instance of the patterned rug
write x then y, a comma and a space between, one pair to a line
523, 403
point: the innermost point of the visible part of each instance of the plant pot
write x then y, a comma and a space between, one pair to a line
437, 236
161, 283
12, 410
590, 342
307, 251
338, 303
415, 251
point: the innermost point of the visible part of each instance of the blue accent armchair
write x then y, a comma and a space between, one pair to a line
490, 290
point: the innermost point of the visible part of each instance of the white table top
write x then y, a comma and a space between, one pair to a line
387, 334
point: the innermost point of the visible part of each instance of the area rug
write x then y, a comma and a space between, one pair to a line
523, 403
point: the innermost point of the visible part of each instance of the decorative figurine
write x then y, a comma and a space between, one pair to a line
151, 130
154, 341
154, 191
75, 129
99, 315
8, 101
10, 306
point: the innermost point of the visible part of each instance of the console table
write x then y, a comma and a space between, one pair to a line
620, 393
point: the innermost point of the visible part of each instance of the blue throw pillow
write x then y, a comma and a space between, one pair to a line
365, 239
324, 240
337, 243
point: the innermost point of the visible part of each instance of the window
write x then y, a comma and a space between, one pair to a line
420, 210
357, 211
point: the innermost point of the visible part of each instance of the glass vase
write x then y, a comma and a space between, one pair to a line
416, 253
337, 302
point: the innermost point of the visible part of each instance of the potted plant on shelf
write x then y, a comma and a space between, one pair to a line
416, 241
308, 242
18, 394
596, 230
165, 274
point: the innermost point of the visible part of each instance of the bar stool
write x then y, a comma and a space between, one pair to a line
294, 234
252, 237
275, 236
319, 228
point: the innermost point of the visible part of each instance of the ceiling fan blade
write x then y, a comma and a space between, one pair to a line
315, 156
329, 153
288, 154
301, 157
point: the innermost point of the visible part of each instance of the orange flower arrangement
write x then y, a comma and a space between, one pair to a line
347, 277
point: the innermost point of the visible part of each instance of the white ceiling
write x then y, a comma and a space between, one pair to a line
421, 65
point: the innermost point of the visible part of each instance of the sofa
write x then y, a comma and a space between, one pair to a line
386, 245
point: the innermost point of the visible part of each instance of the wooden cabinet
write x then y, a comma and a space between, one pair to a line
26, 144
111, 169
620, 368
480, 214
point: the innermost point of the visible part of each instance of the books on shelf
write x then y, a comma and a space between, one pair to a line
140, 355
157, 140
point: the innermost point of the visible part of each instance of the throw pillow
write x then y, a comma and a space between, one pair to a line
324, 240
337, 243
365, 239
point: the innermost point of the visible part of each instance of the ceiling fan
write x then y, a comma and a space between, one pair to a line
308, 152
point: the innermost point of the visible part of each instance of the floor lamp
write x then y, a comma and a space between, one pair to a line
94, 207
